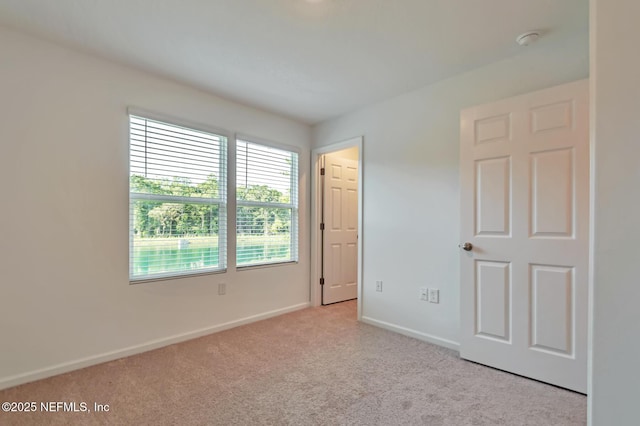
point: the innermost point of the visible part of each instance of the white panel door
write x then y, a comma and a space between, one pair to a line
340, 236
524, 174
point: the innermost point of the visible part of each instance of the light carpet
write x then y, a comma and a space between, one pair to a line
318, 366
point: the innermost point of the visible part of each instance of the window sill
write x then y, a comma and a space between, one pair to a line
241, 268
175, 276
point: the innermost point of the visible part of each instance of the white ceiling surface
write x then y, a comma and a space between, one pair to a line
307, 59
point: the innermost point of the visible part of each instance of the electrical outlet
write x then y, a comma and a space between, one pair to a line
423, 293
222, 289
434, 295
379, 286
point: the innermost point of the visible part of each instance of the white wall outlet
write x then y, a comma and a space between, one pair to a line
379, 286
423, 293
222, 289
434, 295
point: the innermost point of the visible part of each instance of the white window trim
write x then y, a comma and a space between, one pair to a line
222, 202
143, 113
295, 215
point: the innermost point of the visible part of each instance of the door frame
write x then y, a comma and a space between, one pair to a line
316, 214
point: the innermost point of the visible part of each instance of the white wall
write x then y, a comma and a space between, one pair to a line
65, 298
411, 188
616, 291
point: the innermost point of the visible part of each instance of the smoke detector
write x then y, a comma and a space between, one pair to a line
527, 38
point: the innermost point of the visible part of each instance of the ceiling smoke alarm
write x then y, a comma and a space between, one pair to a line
527, 38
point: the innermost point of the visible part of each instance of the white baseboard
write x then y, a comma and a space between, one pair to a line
413, 333
65, 367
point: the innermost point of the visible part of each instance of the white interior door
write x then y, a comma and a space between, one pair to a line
340, 235
524, 170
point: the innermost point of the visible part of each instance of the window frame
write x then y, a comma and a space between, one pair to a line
294, 247
222, 201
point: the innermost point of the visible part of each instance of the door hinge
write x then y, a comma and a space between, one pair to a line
322, 226
321, 281
322, 171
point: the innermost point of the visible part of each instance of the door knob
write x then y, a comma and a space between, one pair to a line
466, 246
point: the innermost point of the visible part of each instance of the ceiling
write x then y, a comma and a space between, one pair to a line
307, 59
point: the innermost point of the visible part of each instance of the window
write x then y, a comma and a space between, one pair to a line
267, 204
177, 193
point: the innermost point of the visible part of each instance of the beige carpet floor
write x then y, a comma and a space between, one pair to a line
318, 366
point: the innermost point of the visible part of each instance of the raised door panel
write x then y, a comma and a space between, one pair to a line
352, 210
493, 300
492, 129
336, 172
351, 201
352, 174
551, 117
336, 209
552, 194
351, 268
336, 267
493, 197
552, 299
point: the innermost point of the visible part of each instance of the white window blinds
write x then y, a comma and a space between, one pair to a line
177, 197
267, 204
